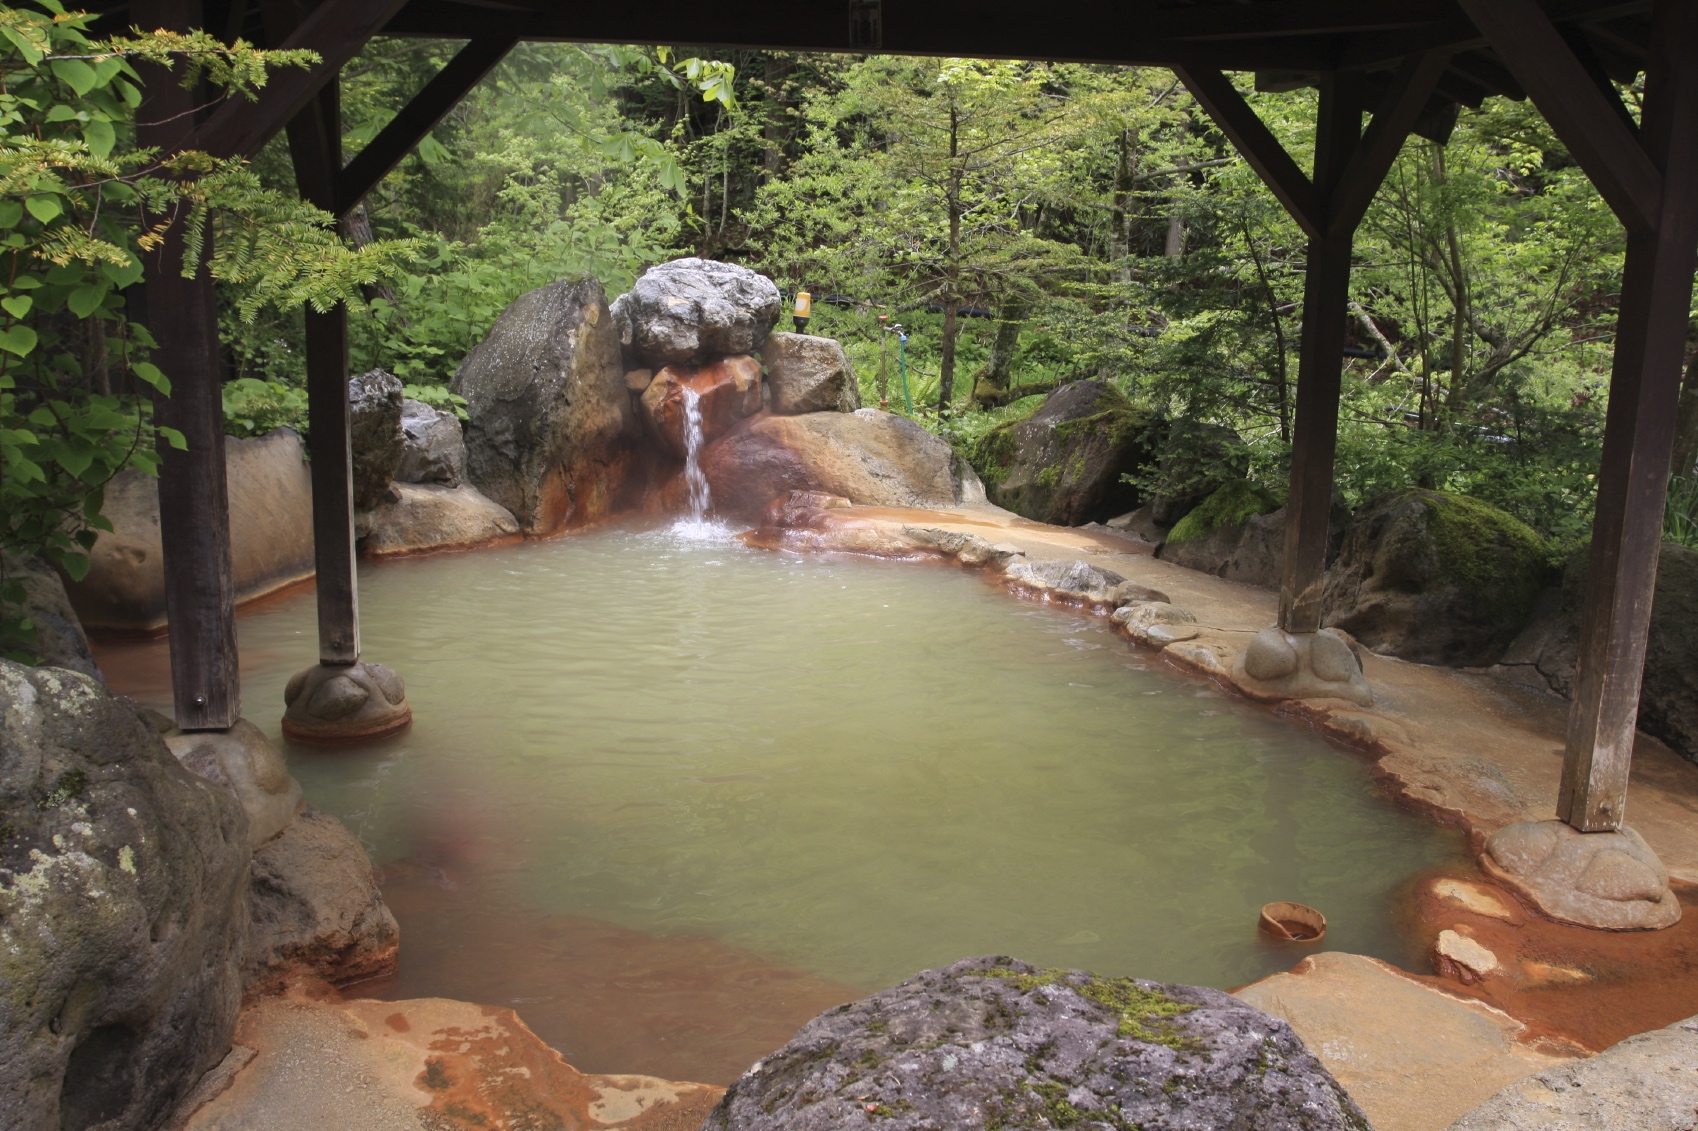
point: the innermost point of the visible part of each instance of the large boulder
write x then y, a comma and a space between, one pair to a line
123, 884
996, 1043
419, 518
548, 434
1647, 1083
869, 457
433, 447
727, 389
317, 911
374, 431
59, 638
1064, 462
806, 373
693, 309
1548, 649
270, 492
1436, 578
1237, 533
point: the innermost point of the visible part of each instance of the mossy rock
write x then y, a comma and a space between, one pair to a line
1436, 578
1063, 461
1232, 505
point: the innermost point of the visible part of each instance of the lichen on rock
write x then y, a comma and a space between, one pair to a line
995, 1043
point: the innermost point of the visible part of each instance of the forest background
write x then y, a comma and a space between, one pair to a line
1023, 224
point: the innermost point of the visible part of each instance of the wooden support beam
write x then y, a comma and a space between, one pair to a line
1320, 367
1582, 117
1638, 439
1239, 122
1371, 160
328, 418
337, 30
418, 117
194, 512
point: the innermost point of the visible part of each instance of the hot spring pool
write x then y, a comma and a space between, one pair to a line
668, 796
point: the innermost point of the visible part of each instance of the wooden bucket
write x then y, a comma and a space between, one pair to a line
1293, 922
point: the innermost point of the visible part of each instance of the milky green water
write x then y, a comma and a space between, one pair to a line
854, 767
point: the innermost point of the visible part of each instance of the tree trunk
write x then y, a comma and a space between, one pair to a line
1686, 425
776, 132
1175, 248
1011, 319
1120, 215
951, 274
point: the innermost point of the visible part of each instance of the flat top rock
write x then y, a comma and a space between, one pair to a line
997, 1043
429, 1064
1413, 1057
1648, 1083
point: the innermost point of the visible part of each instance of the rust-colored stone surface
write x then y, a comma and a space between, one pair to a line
728, 389
429, 1064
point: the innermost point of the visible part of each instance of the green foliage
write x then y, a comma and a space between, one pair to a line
1235, 503
992, 449
253, 407
1680, 522
79, 205
437, 397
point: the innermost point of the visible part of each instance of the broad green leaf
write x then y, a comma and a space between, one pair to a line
85, 300
45, 207
150, 373
174, 438
100, 137
61, 113
11, 211
75, 565
76, 74
19, 340
123, 276
28, 50
17, 305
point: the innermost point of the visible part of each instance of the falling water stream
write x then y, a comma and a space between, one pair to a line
668, 796
700, 497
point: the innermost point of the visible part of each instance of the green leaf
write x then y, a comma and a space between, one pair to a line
61, 113
77, 74
100, 137
17, 305
86, 299
28, 50
44, 207
75, 565
174, 438
150, 373
11, 211
125, 275
18, 340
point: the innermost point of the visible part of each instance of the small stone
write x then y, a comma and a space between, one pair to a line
338, 698
1270, 656
1331, 658
1458, 956
638, 379
1476, 898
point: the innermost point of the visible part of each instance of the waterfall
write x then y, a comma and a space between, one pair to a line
700, 499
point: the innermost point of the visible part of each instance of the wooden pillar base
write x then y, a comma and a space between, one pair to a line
1300, 665
338, 704
1610, 880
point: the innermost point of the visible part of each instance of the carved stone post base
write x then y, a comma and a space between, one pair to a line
246, 763
1608, 880
1300, 665
336, 703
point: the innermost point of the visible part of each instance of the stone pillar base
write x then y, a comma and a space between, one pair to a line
1610, 880
1300, 665
337, 703
245, 762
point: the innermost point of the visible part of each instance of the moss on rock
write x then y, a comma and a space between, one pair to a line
1235, 503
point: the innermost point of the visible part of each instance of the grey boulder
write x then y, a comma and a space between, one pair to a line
374, 427
997, 1043
317, 911
433, 448
1647, 1083
59, 638
809, 374
123, 885
547, 435
692, 309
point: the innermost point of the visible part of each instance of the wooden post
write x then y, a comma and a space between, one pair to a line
194, 512
1638, 438
315, 146
1320, 366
